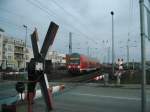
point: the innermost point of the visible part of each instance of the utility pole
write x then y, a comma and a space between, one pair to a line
3, 64
108, 54
70, 42
143, 84
113, 70
128, 53
88, 51
25, 47
133, 64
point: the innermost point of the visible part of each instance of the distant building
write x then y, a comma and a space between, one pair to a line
1, 47
13, 53
56, 57
29, 53
8, 52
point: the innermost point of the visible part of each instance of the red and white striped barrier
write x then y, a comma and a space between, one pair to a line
99, 77
119, 73
16, 73
38, 94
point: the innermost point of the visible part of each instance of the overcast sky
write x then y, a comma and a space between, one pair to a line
88, 20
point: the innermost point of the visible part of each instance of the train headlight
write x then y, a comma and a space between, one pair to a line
69, 66
78, 66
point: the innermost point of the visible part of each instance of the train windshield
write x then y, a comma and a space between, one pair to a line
74, 59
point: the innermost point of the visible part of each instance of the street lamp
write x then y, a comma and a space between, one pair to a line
25, 47
112, 13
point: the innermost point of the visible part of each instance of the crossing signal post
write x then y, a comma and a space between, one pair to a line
120, 70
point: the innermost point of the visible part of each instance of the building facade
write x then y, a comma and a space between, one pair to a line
8, 52
1, 47
13, 52
56, 57
19, 53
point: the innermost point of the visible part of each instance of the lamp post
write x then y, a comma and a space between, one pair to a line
112, 13
143, 81
25, 47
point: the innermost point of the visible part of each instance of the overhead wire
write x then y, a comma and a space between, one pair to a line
81, 22
66, 11
74, 17
23, 17
10, 23
19, 16
45, 9
39, 6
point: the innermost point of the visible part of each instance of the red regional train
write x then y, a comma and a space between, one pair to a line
78, 63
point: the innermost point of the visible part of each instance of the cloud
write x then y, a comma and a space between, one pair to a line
82, 17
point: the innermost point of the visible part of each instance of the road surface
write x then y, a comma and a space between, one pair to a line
95, 98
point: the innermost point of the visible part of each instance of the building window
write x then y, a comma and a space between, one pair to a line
9, 58
10, 48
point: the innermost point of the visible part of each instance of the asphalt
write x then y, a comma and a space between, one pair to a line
89, 97
7, 92
97, 98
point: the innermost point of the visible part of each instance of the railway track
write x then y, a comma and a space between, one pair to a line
76, 81
82, 78
58, 76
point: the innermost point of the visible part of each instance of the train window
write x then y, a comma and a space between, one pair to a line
74, 62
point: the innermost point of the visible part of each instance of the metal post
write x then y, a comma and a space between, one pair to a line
142, 27
128, 53
70, 42
88, 51
25, 48
112, 13
108, 54
6, 62
133, 64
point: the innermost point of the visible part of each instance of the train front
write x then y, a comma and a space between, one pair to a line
74, 63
